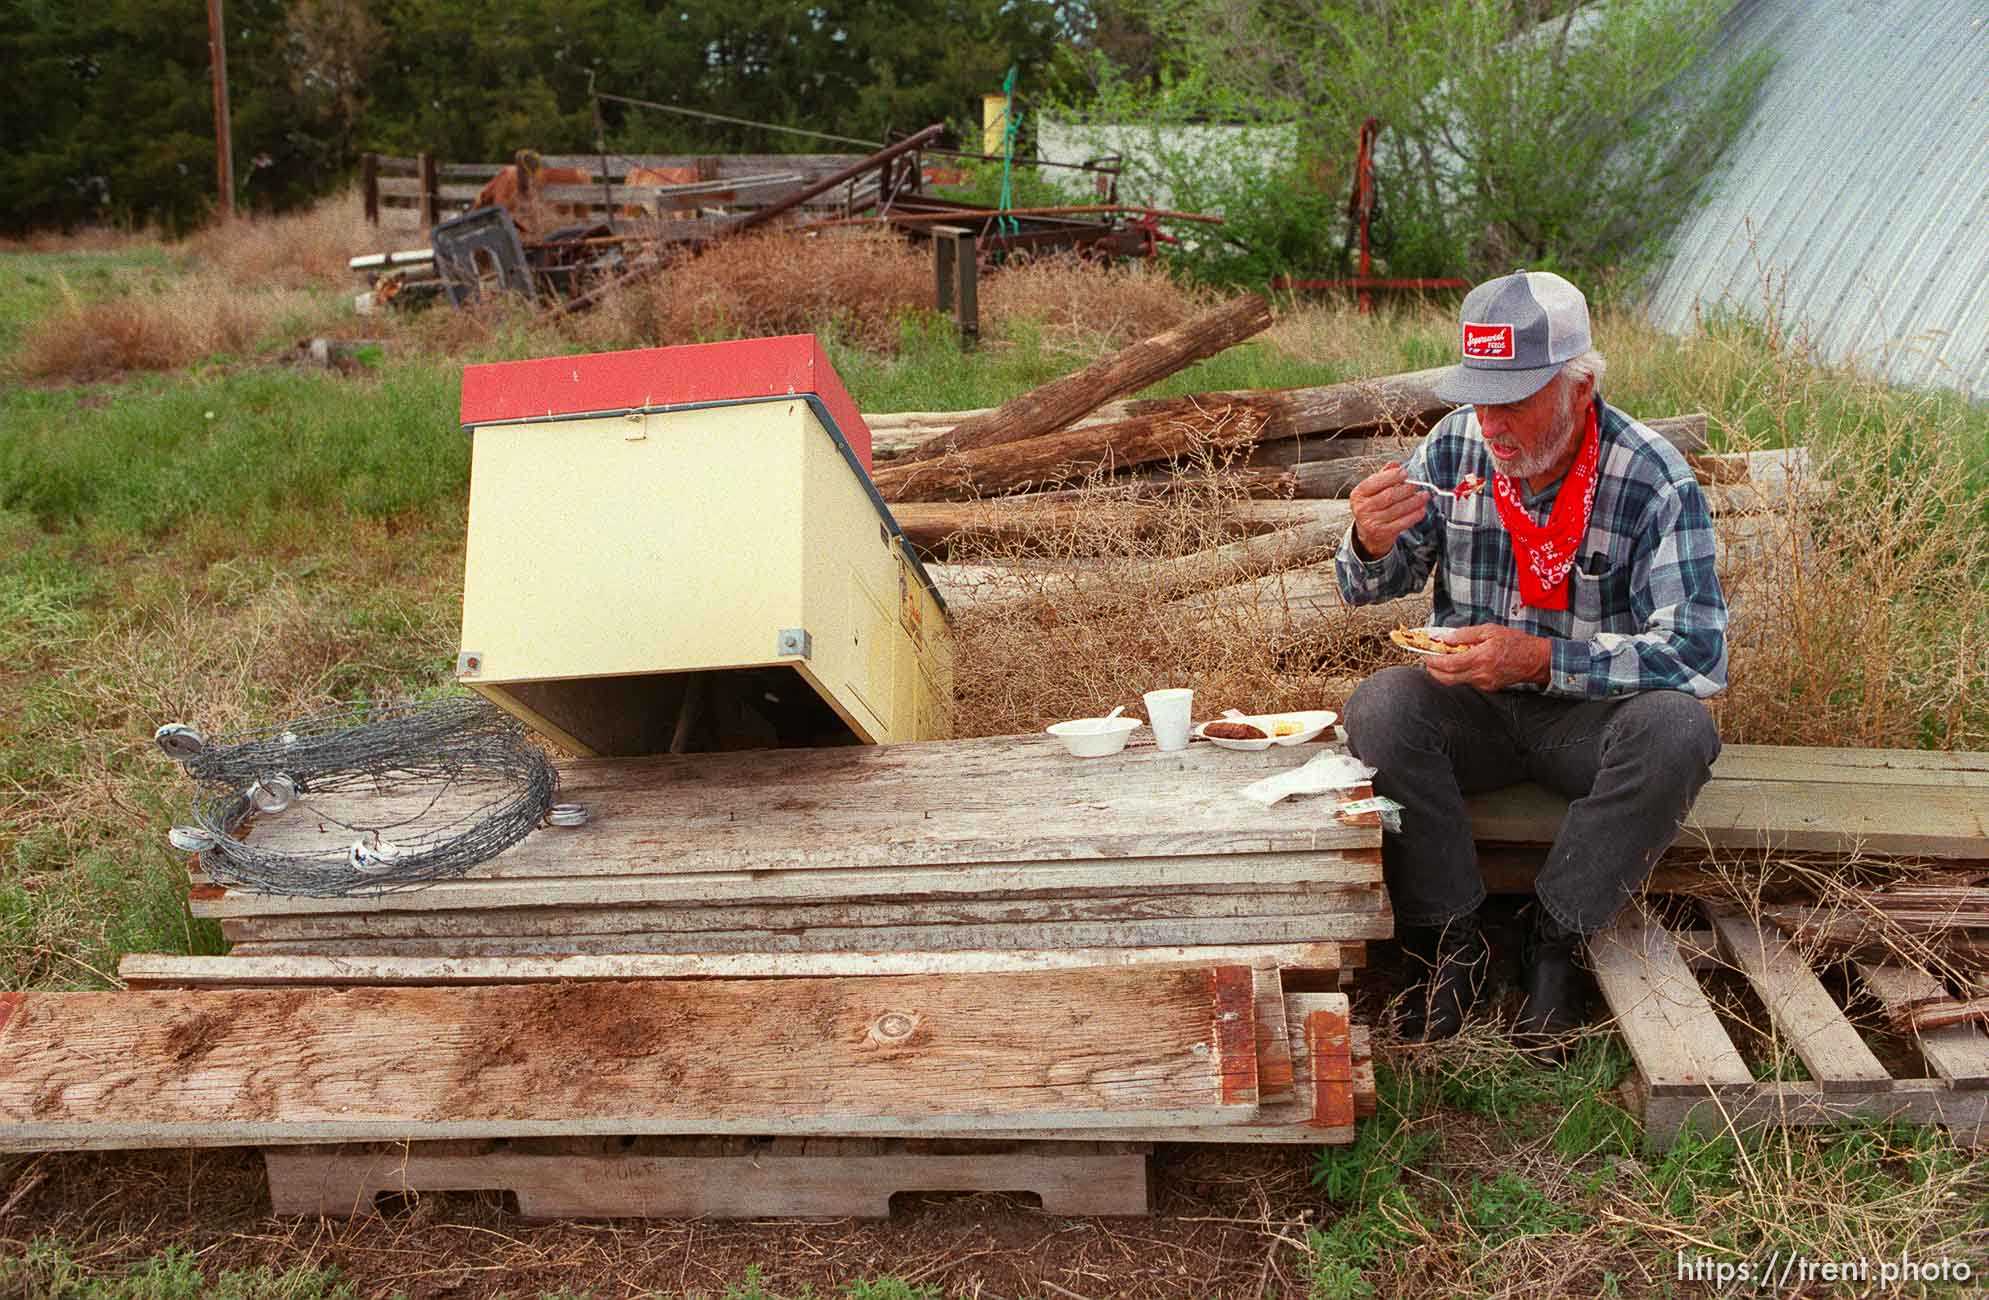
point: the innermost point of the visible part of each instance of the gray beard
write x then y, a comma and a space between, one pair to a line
1567, 430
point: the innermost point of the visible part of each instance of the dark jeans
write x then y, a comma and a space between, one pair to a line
1632, 764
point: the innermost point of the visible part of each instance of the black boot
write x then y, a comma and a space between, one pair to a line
1451, 962
1552, 977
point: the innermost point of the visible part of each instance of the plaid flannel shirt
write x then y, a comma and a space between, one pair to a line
1645, 612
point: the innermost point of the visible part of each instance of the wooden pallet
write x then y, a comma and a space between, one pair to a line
715, 1178
1689, 1073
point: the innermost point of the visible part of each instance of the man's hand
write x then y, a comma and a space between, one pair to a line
1384, 505
1499, 657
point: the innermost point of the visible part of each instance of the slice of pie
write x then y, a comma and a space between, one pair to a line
1419, 638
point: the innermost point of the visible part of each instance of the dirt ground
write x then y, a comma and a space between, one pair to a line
1227, 1222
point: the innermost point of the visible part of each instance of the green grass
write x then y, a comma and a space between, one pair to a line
1556, 1186
34, 284
239, 447
49, 1271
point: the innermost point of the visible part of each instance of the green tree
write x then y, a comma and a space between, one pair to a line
1537, 132
112, 117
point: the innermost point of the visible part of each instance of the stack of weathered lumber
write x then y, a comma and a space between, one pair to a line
1005, 844
980, 938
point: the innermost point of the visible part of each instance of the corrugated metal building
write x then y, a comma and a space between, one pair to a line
1862, 183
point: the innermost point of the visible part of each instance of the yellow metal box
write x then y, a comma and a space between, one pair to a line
681, 549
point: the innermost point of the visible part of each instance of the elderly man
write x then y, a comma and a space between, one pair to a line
1579, 582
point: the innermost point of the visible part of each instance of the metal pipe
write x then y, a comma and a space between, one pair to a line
768, 213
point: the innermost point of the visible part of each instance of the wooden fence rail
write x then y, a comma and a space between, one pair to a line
421, 190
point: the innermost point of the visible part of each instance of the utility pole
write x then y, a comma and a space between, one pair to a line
224, 156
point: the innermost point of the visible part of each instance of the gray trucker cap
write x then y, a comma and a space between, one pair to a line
1516, 333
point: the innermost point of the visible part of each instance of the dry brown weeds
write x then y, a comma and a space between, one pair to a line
292, 251
1090, 613
86, 239
156, 329
243, 280
1080, 304
865, 284
1861, 617
861, 283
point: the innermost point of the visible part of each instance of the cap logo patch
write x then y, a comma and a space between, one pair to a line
1488, 342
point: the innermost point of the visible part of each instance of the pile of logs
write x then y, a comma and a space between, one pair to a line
996, 478
1945, 923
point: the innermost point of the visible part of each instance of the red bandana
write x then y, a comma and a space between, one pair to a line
1546, 556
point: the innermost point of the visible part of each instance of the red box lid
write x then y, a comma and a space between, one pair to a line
786, 366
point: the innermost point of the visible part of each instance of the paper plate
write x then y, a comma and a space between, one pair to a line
1311, 722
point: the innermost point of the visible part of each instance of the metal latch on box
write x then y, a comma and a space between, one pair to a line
794, 641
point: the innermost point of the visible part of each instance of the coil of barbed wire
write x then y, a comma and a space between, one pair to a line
449, 783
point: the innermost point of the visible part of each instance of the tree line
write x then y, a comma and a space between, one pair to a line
110, 118
1554, 133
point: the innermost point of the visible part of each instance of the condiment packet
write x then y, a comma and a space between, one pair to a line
1328, 770
1389, 811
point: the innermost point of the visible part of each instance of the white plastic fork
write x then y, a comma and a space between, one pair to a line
1444, 492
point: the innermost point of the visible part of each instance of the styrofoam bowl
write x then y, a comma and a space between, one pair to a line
1094, 737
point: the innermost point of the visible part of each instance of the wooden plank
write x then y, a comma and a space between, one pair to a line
1902, 760
728, 165
1783, 1105
505, 878
1366, 1102
1800, 1008
1957, 1053
1108, 1048
1291, 1121
1792, 816
1274, 1063
934, 528
1660, 1010
1327, 1039
1206, 901
154, 970
1002, 799
1377, 923
704, 193
1944, 768
1087, 1178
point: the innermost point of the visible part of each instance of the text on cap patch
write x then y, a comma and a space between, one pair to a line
1491, 342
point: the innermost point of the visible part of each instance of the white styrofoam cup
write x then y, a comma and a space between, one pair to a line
1168, 713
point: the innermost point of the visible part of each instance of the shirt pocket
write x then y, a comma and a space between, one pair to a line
1600, 602
1476, 567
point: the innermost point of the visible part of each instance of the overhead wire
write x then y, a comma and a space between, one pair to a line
829, 137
